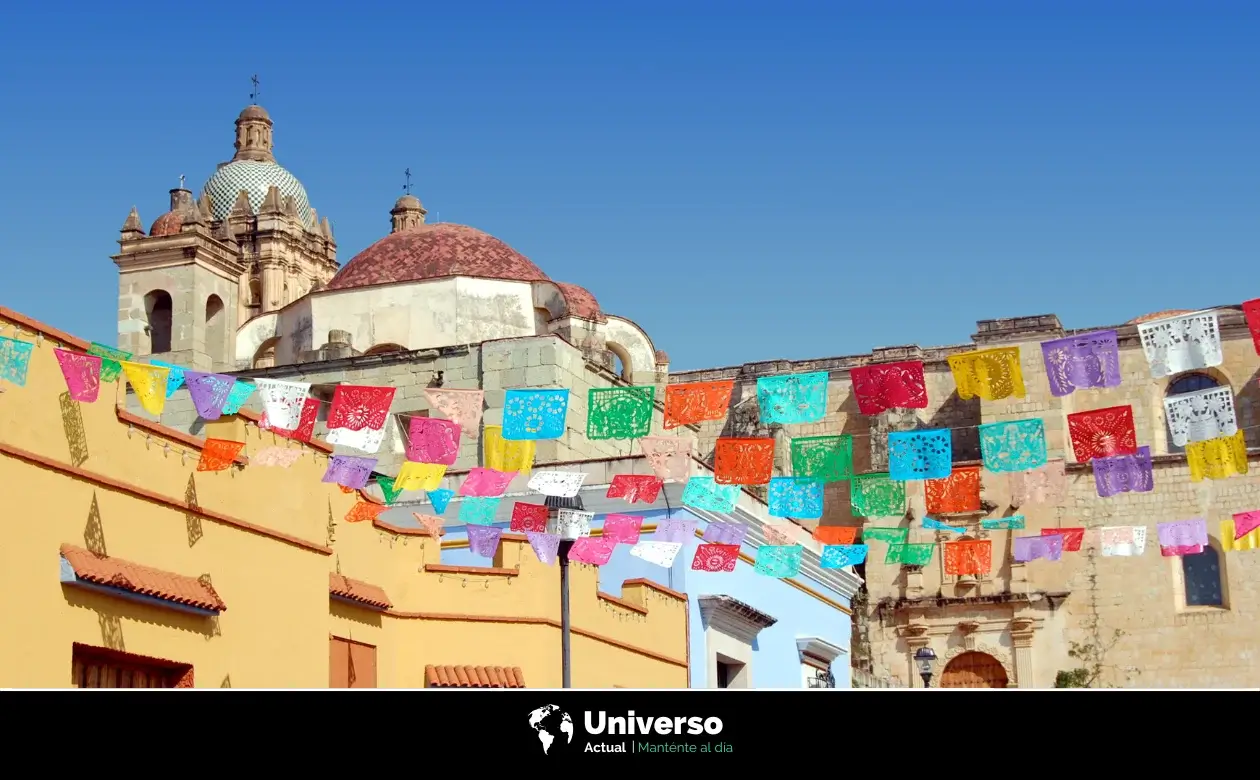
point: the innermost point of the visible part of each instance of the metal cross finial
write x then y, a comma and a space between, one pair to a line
407, 186
253, 96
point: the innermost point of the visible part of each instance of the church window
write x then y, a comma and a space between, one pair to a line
255, 293
216, 328
1202, 580
1187, 383
158, 311
622, 365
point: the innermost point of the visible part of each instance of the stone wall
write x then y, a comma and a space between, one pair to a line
1027, 615
494, 367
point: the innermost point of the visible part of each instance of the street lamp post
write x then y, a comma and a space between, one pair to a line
566, 658
553, 504
925, 657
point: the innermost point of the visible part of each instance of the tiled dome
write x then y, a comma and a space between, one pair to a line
168, 224
255, 178
434, 252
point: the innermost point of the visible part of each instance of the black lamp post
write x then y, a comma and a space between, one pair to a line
925, 657
554, 503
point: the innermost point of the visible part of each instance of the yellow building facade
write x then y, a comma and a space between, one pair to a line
124, 566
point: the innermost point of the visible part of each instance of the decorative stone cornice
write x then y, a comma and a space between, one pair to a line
733, 617
818, 649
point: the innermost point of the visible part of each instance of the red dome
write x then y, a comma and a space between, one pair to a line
434, 252
168, 224
580, 302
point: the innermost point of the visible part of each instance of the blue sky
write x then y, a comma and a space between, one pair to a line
747, 181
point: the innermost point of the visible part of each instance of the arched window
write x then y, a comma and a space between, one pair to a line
255, 293
158, 311
1187, 383
541, 317
385, 349
265, 355
1201, 578
216, 328
622, 366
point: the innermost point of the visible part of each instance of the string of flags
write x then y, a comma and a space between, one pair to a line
1204, 422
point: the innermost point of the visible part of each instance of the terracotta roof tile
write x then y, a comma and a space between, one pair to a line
355, 590
435, 252
1158, 315
581, 302
474, 677
168, 224
143, 580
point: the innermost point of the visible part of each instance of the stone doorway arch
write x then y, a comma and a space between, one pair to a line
974, 669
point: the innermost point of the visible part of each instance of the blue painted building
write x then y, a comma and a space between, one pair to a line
747, 630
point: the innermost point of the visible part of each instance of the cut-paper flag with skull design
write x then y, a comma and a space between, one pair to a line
1016, 445
534, 414
715, 557
591, 550
885, 386
955, 494
796, 497
839, 556
693, 403
82, 374
669, 456
793, 398
485, 482
463, 407
1124, 473
483, 540
546, 546
1083, 361
358, 416
571, 523
919, 455
643, 488
991, 374
622, 529
705, 493
433, 440
824, 458
779, 561
657, 553
529, 517
349, 471
558, 484
479, 510
619, 412
1182, 343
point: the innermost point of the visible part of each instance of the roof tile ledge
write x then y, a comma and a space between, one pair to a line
103, 571
474, 677
358, 592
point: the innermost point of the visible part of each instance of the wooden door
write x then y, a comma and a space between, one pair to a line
351, 664
974, 670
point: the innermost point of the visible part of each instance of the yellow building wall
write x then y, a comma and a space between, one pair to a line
93, 476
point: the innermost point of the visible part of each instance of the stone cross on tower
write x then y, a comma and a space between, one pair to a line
407, 186
253, 95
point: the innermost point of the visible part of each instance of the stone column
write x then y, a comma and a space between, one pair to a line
1022, 639
272, 285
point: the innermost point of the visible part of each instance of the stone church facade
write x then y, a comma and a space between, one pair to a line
244, 279
1144, 621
